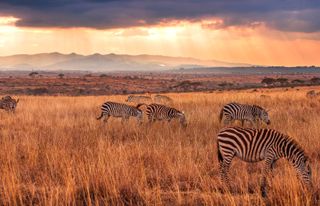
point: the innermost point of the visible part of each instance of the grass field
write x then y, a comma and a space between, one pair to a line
54, 152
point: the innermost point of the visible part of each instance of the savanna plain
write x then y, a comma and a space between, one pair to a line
53, 151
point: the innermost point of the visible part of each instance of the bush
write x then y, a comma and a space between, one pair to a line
38, 91
315, 80
61, 75
282, 80
32, 74
268, 81
104, 75
225, 84
297, 81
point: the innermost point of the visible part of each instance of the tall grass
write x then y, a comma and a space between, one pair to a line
54, 152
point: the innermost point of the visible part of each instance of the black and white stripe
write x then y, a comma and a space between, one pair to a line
119, 110
8, 103
235, 111
162, 112
253, 145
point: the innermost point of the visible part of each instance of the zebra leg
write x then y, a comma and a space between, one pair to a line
151, 119
269, 163
224, 169
106, 117
253, 124
257, 123
227, 121
139, 120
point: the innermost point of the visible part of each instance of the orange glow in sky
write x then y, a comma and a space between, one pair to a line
203, 39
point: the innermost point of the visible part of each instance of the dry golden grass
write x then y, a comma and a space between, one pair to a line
54, 152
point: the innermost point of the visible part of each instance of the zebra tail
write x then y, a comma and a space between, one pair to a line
220, 158
141, 104
221, 115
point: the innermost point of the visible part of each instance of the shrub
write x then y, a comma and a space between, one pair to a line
268, 81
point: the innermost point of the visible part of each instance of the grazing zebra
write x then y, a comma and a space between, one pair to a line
139, 99
162, 112
252, 113
162, 99
253, 145
119, 110
8, 103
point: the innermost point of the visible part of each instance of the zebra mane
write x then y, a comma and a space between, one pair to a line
256, 106
295, 143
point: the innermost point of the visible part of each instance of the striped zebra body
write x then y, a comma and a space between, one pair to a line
8, 103
254, 145
162, 112
119, 110
139, 99
252, 113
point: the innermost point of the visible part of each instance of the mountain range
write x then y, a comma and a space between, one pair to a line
104, 63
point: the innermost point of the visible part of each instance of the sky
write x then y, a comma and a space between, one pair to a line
264, 32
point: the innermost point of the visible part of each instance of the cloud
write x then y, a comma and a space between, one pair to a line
286, 15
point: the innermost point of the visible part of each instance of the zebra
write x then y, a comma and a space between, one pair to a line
162, 98
124, 111
8, 103
254, 145
162, 112
139, 99
252, 113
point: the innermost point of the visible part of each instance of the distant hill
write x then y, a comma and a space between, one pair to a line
252, 70
104, 63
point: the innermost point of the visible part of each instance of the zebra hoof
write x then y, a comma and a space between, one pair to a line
263, 193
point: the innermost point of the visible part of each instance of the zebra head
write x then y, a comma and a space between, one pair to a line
139, 114
183, 120
129, 98
264, 116
305, 171
13, 104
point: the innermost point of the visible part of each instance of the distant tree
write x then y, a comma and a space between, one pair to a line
225, 84
315, 80
61, 75
297, 81
33, 74
38, 91
282, 81
103, 75
88, 75
268, 81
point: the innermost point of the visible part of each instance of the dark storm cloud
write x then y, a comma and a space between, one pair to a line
287, 15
